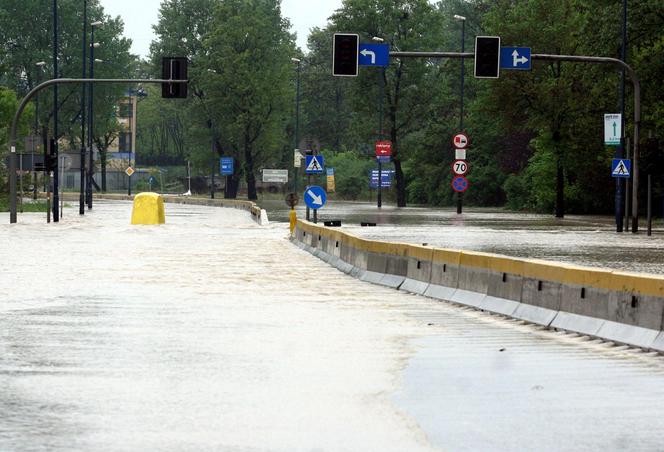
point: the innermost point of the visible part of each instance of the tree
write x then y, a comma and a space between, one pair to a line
249, 50
404, 25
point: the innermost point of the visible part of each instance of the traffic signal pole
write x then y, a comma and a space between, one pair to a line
575, 59
24, 102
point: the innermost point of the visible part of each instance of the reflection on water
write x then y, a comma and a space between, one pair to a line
582, 240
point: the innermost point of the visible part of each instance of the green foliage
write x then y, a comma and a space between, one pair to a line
351, 173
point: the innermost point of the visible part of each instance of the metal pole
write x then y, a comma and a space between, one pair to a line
81, 197
627, 189
649, 214
132, 150
463, 46
212, 178
379, 200
19, 111
620, 150
297, 122
56, 181
91, 120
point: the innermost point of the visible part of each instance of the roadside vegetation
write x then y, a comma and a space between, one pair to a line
536, 136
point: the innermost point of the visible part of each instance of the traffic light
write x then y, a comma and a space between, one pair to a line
174, 69
345, 54
487, 56
50, 158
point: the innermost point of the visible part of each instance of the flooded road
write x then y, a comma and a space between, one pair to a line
582, 240
213, 333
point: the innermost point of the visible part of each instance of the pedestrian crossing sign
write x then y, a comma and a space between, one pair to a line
314, 164
621, 168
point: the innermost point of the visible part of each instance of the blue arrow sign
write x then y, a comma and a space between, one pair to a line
315, 197
314, 164
621, 168
374, 55
517, 58
227, 166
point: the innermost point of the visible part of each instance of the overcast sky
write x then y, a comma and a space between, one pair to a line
140, 15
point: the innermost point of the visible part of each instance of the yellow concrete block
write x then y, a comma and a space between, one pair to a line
148, 209
292, 216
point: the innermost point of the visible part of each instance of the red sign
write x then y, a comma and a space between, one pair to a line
460, 167
460, 140
383, 148
460, 184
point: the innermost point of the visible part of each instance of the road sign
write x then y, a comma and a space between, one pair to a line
315, 197
278, 176
612, 129
515, 58
297, 158
460, 167
460, 154
386, 178
129, 171
460, 140
621, 168
384, 159
374, 55
292, 200
383, 148
460, 184
226, 166
314, 164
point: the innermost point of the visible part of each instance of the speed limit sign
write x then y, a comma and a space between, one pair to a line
460, 167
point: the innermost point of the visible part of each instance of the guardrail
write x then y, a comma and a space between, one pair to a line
626, 308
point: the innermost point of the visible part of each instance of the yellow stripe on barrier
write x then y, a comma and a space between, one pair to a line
446, 256
537, 269
422, 253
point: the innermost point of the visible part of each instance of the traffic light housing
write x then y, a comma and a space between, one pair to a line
487, 56
50, 158
174, 68
345, 54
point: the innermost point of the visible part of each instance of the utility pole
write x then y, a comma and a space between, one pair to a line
462, 19
56, 181
81, 198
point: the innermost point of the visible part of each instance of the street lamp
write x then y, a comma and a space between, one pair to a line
462, 19
381, 95
40, 65
93, 45
81, 198
297, 62
54, 150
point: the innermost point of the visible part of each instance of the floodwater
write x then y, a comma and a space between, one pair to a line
582, 240
213, 333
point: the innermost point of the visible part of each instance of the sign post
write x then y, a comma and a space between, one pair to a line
315, 198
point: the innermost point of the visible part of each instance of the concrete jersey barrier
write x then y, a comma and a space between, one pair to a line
626, 308
259, 215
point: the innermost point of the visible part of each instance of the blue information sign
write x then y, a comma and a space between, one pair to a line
374, 55
315, 197
386, 178
621, 168
227, 166
314, 164
517, 58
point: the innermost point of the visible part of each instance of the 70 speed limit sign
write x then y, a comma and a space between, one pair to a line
460, 167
